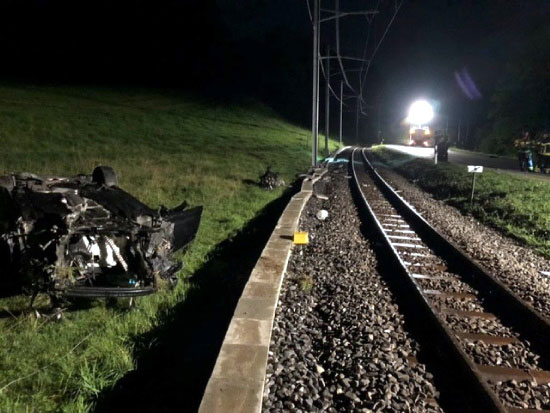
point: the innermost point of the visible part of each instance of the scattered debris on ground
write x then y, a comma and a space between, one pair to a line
271, 180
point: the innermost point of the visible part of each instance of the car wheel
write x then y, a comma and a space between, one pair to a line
7, 182
104, 175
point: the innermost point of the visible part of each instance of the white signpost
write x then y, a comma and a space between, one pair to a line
474, 170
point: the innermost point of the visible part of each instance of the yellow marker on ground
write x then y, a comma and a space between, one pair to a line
301, 238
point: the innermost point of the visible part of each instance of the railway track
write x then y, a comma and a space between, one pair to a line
495, 344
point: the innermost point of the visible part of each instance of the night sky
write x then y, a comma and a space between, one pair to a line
263, 48
432, 40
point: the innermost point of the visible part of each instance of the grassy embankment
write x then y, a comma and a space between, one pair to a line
165, 149
517, 207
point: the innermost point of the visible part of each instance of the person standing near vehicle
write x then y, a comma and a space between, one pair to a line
525, 154
543, 153
437, 141
443, 148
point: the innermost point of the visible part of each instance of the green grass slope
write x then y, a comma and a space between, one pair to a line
165, 148
517, 206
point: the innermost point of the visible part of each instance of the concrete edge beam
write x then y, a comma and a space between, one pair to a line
237, 380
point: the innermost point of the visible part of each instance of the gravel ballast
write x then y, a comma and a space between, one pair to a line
517, 266
338, 342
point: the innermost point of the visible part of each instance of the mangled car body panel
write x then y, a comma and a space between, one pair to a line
84, 236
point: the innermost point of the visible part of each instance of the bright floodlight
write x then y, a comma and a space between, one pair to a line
420, 112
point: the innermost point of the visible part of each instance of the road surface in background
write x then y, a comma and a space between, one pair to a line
506, 164
462, 157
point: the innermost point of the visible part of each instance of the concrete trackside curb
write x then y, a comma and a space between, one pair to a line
237, 381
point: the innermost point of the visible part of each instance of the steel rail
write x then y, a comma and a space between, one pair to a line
533, 323
456, 356
496, 296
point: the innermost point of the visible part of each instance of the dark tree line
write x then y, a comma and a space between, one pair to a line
521, 100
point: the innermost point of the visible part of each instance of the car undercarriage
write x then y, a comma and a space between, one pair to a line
83, 236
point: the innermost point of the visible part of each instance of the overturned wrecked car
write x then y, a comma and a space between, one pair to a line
83, 236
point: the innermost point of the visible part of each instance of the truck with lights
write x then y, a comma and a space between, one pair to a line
419, 136
420, 115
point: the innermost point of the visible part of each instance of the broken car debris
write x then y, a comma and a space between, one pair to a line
322, 214
271, 180
85, 237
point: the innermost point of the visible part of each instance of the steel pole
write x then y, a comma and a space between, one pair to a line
341, 111
357, 121
458, 133
327, 103
378, 123
315, 95
473, 189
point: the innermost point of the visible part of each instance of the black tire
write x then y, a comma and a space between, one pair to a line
6, 260
7, 182
104, 175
